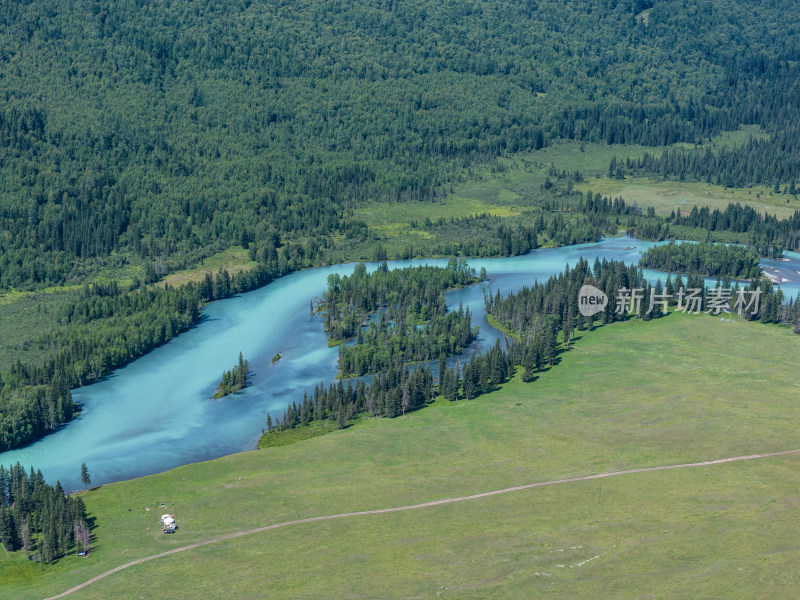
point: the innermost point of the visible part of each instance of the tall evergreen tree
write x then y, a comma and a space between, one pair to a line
86, 479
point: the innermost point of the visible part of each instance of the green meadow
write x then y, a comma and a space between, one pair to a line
685, 388
24, 316
666, 196
663, 195
233, 260
513, 187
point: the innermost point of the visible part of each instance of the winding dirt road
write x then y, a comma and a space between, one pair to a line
379, 511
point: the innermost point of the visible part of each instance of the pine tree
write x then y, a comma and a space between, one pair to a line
8, 530
48, 545
341, 417
550, 345
82, 535
529, 366
242, 372
25, 533
471, 379
568, 325
484, 369
86, 479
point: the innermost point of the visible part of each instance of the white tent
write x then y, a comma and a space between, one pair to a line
168, 520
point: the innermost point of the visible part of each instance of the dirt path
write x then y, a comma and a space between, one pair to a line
379, 511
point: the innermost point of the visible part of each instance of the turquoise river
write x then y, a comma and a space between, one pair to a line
156, 414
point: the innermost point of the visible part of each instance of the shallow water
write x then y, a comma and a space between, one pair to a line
155, 414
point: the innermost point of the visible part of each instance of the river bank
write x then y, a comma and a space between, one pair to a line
154, 414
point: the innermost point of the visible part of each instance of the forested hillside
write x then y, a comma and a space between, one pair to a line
162, 131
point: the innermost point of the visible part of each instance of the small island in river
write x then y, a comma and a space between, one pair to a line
233, 380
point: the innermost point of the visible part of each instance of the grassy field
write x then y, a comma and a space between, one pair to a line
25, 317
510, 187
396, 225
526, 173
292, 436
681, 389
666, 196
387, 216
234, 259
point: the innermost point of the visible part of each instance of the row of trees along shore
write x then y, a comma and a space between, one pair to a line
103, 328
526, 313
396, 390
540, 321
712, 260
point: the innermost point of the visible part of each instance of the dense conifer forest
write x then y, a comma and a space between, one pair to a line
413, 293
396, 317
160, 132
38, 518
712, 260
